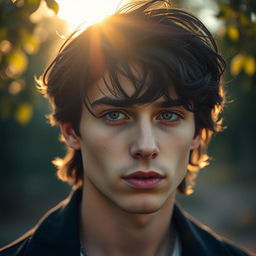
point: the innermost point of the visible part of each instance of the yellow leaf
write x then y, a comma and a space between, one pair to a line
3, 33
16, 86
249, 65
237, 64
233, 33
227, 11
5, 46
243, 19
17, 61
30, 44
24, 113
32, 1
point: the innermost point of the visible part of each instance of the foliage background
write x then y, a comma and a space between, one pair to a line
224, 197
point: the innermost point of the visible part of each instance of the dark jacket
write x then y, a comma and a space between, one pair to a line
57, 234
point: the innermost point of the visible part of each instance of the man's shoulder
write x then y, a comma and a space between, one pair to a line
235, 250
17, 247
48, 233
196, 237
215, 242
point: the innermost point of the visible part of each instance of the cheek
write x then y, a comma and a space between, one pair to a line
183, 146
100, 137
176, 150
178, 142
94, 143
99, 147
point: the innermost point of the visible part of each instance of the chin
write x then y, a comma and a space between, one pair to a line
142, 208
143, 211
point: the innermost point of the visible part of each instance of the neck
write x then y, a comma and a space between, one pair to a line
109, 230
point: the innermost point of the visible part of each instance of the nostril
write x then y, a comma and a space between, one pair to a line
154, 155
142, 154
137, 156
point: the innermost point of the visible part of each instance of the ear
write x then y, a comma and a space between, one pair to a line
195, 142
72, 140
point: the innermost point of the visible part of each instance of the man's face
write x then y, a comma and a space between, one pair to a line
135, 157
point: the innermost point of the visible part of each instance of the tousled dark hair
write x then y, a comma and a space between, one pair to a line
171, 47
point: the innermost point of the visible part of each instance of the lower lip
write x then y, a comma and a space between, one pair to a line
143, 183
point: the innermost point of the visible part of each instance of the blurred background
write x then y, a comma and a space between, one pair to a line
31, 31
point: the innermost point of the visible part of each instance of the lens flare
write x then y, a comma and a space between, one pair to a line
84, 12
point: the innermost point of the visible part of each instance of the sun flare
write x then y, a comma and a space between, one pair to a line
85, 12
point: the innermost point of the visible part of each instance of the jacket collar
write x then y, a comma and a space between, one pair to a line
191, 241
58, 232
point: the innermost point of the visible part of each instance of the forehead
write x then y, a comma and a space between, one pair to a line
133, 87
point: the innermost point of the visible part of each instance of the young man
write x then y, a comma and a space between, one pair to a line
137, 98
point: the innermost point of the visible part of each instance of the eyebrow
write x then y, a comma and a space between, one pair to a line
127, 102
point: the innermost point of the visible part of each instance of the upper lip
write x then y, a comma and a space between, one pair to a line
143, 175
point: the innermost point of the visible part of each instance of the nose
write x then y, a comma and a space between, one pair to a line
144, 144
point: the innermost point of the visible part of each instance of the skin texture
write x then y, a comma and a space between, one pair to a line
118, 142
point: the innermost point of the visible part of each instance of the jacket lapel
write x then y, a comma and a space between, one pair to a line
58, 232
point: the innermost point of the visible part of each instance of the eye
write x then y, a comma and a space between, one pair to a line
114, 116
170, 116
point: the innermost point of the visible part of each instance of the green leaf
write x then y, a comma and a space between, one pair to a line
5, 107
52, 4
32, 5
3, 33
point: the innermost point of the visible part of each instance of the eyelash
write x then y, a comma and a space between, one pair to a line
178, 115
104, 116
114, 111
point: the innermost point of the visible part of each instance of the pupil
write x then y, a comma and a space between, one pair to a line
167, 115
114, 115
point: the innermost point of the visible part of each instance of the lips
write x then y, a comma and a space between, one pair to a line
143, 179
